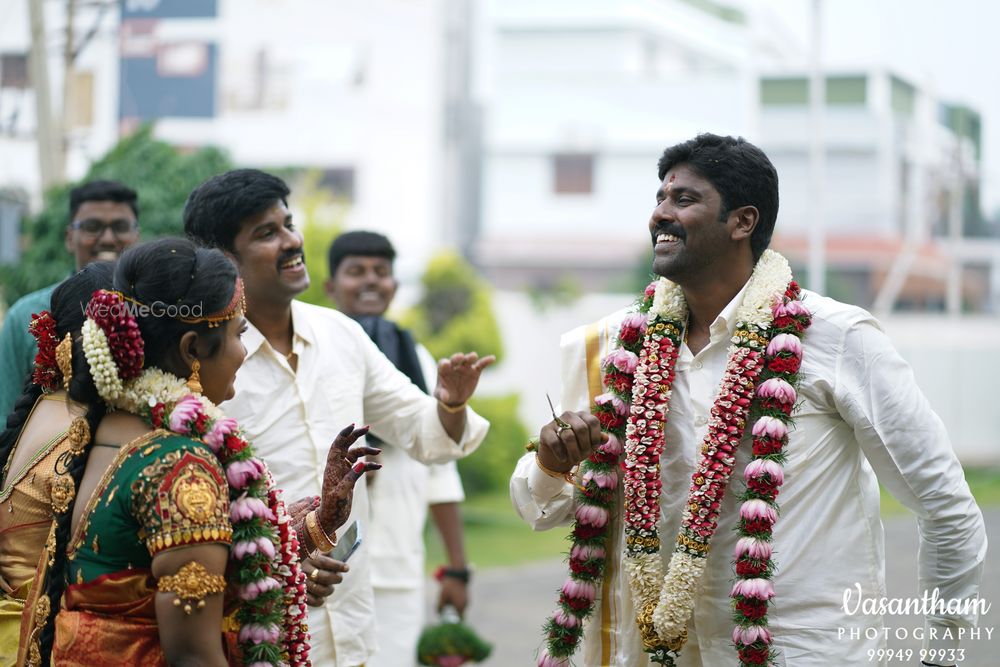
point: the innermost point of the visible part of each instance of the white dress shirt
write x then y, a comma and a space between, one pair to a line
292, 419
860, 415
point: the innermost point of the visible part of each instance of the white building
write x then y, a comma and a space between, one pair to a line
896, 156
89, 122
582, 97
358, 90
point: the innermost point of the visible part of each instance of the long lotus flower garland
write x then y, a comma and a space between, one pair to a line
677, 590
771, 418
588, 555
271, 584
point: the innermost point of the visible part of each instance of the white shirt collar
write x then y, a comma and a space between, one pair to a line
302, 333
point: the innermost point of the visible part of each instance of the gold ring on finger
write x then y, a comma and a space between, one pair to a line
563, 427
314, 575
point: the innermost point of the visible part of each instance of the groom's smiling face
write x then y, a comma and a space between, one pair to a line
688, 228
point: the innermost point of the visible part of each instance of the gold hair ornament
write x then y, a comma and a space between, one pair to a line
64, 359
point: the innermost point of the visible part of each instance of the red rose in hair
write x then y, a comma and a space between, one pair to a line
46, 372
110, 312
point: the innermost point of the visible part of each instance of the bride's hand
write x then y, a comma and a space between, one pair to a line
343, 468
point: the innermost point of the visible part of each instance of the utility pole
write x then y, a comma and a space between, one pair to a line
69, 58
817, 155
953, 289
50, 154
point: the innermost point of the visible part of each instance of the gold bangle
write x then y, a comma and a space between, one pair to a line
321, 541
568, 476
192, 583
452, 409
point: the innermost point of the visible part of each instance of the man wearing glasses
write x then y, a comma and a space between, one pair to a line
103, 222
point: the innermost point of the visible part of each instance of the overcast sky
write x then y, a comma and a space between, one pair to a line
954, 46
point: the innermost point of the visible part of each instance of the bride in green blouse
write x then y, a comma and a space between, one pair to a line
180, 533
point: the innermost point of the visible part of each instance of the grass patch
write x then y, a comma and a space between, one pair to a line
496, 536
983, 482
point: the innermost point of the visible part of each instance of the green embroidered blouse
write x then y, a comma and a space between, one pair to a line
163, 491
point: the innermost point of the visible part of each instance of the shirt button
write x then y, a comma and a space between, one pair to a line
698, 365
700, 420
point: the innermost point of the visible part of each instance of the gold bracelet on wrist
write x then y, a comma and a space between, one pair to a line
568, 476
453, 409
321, 541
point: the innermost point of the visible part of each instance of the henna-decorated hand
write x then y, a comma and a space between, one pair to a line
458, 376
343, 469
298, 509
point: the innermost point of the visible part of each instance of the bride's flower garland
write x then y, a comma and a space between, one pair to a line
765, 349
271, 584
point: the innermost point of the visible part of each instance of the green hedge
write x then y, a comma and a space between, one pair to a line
488, 469
456, 311
161, 174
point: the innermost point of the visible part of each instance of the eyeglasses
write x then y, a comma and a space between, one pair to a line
93, 228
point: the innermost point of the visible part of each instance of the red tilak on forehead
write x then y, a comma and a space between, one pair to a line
670, 181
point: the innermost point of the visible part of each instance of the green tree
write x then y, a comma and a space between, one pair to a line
161, 174
488, 469
456, 315
456, 311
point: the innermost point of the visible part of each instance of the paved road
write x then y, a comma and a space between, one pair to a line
509, 604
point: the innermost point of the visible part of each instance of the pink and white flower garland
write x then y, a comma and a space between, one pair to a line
771, 419
664, 623
594, 503
639, 373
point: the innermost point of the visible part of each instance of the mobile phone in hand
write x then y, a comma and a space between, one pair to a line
348, 543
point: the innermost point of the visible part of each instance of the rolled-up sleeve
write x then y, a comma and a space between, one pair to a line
909, 449
542, 501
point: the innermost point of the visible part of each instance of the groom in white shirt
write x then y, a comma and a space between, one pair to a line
859, 419
309, 372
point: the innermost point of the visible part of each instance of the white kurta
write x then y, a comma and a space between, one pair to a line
293, 417
400, 494
861, 419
